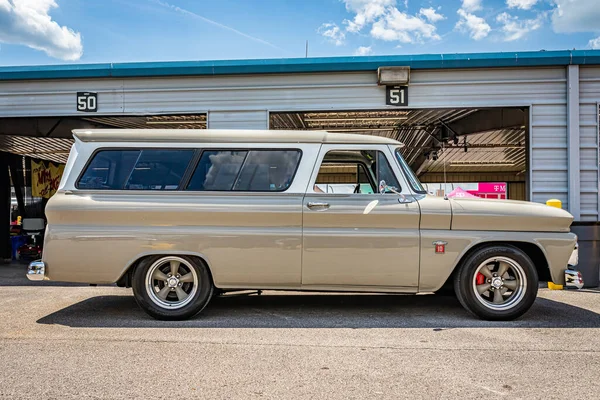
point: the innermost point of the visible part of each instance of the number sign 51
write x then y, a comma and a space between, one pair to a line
396, 95
87, 101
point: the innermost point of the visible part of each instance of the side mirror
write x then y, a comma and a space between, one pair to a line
382, 187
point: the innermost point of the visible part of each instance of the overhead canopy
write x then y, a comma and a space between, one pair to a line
481, 140
51, 138
51, 149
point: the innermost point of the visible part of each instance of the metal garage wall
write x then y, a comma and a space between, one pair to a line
57, 97
589, 96
548, 152
239, 101
238, 120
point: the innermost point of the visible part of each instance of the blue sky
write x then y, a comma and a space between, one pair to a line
88, 31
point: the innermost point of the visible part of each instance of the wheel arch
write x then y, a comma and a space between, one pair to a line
533, 250
126, 276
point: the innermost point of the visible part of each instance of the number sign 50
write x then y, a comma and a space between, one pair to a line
87, 101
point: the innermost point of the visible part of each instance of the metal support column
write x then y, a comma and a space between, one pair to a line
573, 141
4, 209
16, 174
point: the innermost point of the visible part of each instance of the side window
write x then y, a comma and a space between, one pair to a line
343, 177
136, 169
245, 170
159, 169
108, 169
217, 170
268, 171
358, 172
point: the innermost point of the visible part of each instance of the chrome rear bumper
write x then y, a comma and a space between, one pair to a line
36, 271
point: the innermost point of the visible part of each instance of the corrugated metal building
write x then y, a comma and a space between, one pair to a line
529, 119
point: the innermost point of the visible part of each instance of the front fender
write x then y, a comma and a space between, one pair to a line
435, 269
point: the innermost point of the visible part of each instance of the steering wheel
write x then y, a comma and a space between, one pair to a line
357, 188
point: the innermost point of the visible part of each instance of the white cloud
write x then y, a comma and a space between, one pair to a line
431, 14
522, 4
386, 22
404, 28
475, 26
576, 16
594, 43
514, 28
366, 12
471, 5
333, 33
27, 22
363, 51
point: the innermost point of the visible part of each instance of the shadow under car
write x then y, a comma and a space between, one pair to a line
318, 310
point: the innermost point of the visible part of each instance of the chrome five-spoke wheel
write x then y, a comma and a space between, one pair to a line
172, 287
499, 282
171, 282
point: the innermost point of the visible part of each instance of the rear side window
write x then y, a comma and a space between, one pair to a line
152, 169
109, 169
245, 170
159, 169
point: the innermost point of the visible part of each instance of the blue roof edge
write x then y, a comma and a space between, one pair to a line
301, 65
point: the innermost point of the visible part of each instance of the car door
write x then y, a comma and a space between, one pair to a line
359, 236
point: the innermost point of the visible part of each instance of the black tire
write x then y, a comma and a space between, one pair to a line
475, 303
198, 301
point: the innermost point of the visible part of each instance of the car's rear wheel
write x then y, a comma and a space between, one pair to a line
497, 283
172, 287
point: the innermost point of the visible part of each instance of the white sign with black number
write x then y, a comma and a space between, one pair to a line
87, 101
396, 95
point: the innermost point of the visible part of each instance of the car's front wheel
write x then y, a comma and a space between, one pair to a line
497, 283
172, 287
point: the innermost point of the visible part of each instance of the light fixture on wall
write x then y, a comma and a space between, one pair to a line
392, 76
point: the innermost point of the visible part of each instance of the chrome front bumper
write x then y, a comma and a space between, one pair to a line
573, 278
36, 271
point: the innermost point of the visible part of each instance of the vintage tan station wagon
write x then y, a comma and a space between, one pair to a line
180, 215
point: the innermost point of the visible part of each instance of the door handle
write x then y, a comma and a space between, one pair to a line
405, 199
312, 205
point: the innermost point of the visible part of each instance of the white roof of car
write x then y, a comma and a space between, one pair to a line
225, 136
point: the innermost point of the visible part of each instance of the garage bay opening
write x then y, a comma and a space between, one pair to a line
481, 152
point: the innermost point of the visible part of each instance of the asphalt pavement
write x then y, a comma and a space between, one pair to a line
60, 341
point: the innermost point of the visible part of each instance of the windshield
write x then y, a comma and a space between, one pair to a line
410, 175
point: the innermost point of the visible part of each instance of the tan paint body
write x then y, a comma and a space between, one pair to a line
273, 240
